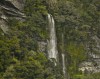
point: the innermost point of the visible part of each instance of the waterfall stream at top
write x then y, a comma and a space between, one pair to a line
52, 44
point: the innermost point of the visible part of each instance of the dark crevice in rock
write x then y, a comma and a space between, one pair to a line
12, 11
7, 4
8, 8
2, 1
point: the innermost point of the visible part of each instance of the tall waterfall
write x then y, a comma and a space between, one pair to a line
52, 44
63, 63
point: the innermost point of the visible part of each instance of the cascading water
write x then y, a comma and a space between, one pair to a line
63, 63
63, 58
52, 44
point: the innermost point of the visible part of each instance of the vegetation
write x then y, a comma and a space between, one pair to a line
19, 54
77, 20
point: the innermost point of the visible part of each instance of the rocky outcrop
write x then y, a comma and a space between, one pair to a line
42, 46
10, 9
19, 4
93, 64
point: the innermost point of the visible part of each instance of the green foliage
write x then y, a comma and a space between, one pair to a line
36, 17
77, 20
35, 6
92, 76
34, 66
87, 76
76, 51
17, 59
77, 55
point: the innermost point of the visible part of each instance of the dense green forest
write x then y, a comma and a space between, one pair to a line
76, 22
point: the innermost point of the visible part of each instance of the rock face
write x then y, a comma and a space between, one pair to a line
93, 64
13, 8
9, 9
19, 4
42, 45
88, 67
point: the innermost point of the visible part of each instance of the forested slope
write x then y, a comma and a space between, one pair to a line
24, 35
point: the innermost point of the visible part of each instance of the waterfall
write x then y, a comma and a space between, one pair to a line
52, 44
63, 63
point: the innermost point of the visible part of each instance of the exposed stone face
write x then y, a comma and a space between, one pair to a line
89, 67
3, 26
42, 46
10, 9
93, 64
19, 4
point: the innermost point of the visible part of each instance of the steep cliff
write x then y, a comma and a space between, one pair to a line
8, 9
49, 39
